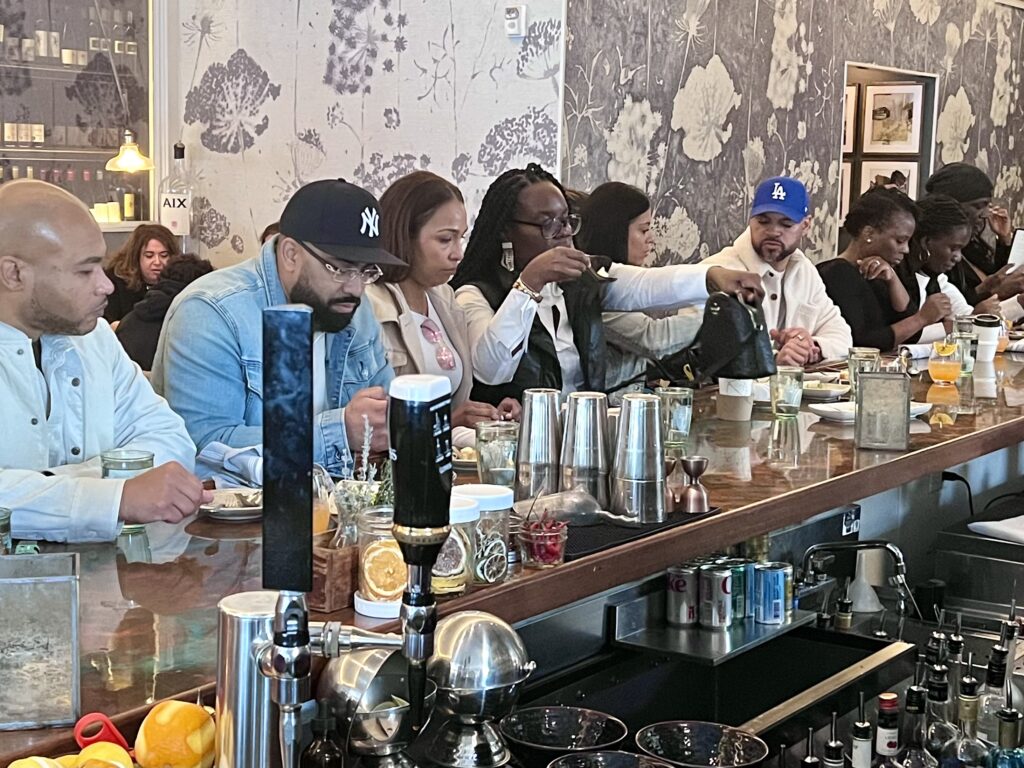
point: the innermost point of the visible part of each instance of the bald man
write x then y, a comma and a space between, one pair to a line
68, 391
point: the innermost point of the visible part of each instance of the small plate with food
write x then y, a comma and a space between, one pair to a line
235, 505
464, 458
824, 390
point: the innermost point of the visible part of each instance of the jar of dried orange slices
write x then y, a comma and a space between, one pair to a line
382, 572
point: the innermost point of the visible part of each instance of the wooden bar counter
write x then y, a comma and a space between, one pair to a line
148, 629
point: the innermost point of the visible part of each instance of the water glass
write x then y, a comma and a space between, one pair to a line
787, 389
676, 416
122, 464
867, 359
496, 443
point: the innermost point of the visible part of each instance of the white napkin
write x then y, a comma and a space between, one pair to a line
1015, 346
917, 351
1011, 529
736, 387
245, 462
463, 437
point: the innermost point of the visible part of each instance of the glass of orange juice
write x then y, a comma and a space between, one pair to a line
325, 515
1003, 340
945, 361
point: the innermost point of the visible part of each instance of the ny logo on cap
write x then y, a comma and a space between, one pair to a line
778, 193
371, 222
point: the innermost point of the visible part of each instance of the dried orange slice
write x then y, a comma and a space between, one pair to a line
944, 347
384, 571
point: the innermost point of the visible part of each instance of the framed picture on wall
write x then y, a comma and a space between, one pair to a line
845, 184
900, 174
849, 118
892, 118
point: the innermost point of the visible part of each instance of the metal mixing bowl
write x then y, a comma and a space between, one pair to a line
607, 759
479, 665
697, 744
538, 734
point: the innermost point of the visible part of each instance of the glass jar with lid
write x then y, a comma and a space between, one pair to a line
493, 553
454, 567
382, 571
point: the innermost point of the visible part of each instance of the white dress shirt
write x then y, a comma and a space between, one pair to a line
794, 297
1010, 308
99, 399
499, 338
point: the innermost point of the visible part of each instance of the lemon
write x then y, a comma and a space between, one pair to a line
176, 734
105, 753
944, 348
67, 761
383, 570
940, 419
35, 762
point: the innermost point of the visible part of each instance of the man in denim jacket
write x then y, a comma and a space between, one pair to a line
209, 361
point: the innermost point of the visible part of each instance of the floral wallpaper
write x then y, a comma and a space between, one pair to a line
275, 95
695, 101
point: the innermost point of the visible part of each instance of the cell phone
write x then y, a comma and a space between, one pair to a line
1016, 258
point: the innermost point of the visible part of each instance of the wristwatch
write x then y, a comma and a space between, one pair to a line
519, 285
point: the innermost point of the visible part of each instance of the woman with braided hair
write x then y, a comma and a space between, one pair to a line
533, 302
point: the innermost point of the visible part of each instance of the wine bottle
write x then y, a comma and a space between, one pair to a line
887, 731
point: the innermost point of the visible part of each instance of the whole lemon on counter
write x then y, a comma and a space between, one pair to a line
176, 734
105, 754
35, 762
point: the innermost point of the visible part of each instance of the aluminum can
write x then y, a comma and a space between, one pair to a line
742, 586
769, 593
716, 596
787, 569
682, 600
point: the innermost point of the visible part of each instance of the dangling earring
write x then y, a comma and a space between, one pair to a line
508, 256
868, 240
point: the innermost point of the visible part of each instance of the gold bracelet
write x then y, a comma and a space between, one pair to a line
519, 285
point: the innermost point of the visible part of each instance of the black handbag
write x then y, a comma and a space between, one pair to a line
732, 343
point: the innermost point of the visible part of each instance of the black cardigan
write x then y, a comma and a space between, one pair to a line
864, 304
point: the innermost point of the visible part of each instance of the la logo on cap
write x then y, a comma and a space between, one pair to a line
779, 193
371, 222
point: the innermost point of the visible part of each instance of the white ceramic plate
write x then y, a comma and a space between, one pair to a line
235, 505
823, 390
844, 413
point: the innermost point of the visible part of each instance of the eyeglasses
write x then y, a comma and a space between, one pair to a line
551, 229
442, 352
366, 275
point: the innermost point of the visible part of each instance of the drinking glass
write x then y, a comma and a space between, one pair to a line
496, 443
867, 359
787, 389
945, 361
966, 336
125, 463
325, 510
676, 416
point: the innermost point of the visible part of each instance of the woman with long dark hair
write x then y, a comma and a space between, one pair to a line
423, 223
534, 301
137, 267
863, 282
616, 222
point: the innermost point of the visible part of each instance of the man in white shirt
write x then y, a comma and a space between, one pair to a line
68, 391
805, 324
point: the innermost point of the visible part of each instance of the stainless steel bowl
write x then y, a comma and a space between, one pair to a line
606, 759
537, 734
697, 744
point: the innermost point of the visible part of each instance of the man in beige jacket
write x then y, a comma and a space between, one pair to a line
805, 324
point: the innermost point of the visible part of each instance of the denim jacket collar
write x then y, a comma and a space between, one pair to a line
266, 267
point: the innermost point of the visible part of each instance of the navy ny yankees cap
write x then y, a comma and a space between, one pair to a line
340, 219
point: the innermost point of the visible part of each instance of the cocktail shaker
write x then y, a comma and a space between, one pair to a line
638, 488
539, 450
585, 460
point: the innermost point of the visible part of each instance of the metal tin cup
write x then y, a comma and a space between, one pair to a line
639, 483
584, 462
716, 610
682, 596
861, 359
539, 448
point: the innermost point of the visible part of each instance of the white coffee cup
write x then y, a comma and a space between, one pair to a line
735, 399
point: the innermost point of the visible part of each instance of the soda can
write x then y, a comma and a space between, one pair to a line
682, 600
769, 593
787, 569
742, 586
716, 596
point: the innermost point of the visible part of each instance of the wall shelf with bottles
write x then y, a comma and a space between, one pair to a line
74, 74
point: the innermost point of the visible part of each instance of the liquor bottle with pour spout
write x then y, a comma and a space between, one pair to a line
940, 730
860, 747
915, 725
1007, 754
992, 697
966, 750
832, 755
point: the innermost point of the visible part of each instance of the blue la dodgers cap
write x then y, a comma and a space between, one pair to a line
783, 195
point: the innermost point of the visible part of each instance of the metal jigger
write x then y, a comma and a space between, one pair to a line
539, 450
695, 495
639, 485
585, 445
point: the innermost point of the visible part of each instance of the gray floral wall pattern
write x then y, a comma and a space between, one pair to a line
278, 94
695, 101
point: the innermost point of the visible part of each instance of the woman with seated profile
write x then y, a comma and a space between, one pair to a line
137, 267
423, 223
863, 282
617, 225
534, 301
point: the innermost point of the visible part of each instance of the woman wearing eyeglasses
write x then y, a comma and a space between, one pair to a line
534, 302
423, 222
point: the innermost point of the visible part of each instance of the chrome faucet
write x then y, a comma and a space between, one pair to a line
904, 596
